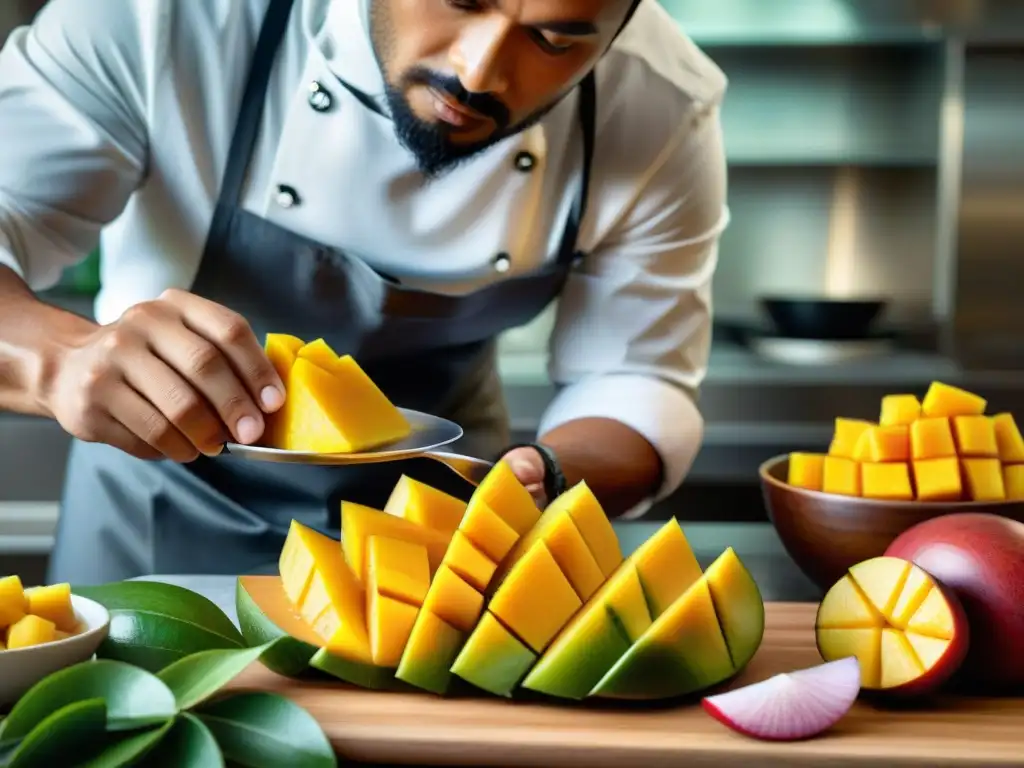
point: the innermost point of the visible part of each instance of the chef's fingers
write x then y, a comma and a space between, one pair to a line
209, 373
231, 333
141, 418
118, 436
179, 402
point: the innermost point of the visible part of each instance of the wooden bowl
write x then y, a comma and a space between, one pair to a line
826, 534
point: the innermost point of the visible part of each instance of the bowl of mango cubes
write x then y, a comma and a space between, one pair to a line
919, 459
42, 630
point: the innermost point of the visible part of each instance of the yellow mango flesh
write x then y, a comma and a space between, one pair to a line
339, 410
865, 644
738, 605
1008, 439
886, 481
281, 350
508, 498
428, 656
13, 604
390, 623
887, 444
398, 569
487, 531
666, 566
453, 600
468, 562
847, 433
946, 400
319, 353
975, 436
1013, 482
841, 476
938, 479
806, 470
30, 630
53, 602
536, 599
425, 505
983, 479
590, 519
899, 410
325, 591
359, 523
932, 438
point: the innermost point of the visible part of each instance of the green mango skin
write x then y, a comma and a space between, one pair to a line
496, 669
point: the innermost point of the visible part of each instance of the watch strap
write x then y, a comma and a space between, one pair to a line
554, 478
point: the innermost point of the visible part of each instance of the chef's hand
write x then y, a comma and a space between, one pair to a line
174, 377
528, 467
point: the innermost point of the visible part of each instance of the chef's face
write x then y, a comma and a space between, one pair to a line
463, 74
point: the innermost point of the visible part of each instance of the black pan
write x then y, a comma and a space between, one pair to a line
830, 319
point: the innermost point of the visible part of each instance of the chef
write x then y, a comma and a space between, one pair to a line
406, 179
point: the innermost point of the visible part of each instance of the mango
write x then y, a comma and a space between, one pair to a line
886, 481
428, 656
493, 659
938, 479
390, 623
841, 476
487, 531
983, 479
359, 523
13, 604
1008, 439
468, 562
946, 400
425, 505
30, 630
739, 606
508, 498
53, 602
931, 438
975, 436
885, 444
590, 519
806, 470
899, 410
399, 569
847, 433
281, 349
1013, 482
453, 600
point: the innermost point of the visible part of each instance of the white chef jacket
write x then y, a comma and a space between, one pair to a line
116, 118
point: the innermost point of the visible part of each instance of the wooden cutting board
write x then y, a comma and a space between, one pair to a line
412, 729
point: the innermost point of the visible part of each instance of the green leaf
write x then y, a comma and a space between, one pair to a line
153, 624
195, 678
264, 730
133, 697
167, 600
188, 745
126, 750
76, 729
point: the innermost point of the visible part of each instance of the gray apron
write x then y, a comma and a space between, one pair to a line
123, 517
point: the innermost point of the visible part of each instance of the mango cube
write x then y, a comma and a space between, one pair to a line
53, 602
1008, 439
899, 410
13, 604
841, 476
931, 438
425, 505
30, 630
453, 600
847, 433
806, 470
890, 480
1013, 482
938, 479
468, 562
946, 400
975, 436
983, 479
862, 451
398, 569
887, 444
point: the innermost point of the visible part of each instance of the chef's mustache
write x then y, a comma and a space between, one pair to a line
484, 104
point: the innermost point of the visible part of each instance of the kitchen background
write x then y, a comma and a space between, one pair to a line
876, 151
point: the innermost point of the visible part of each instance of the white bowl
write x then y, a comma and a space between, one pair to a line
22, 668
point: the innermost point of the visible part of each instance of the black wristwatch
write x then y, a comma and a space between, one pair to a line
554, 480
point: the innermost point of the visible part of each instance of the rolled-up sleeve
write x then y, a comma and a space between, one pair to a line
72, 133
632, 333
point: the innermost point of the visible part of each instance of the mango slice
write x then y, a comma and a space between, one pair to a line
487, 531
468, 562
359, 523
738, 606
432, 649
425, 505
508, 498
493, 659
53, 602
30, 630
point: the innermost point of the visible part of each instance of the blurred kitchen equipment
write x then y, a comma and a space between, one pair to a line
823, 318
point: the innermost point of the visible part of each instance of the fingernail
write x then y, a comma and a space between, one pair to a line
248, 429
272, 398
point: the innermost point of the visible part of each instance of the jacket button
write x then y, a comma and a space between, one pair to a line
319, 97
524, 162
286, 196
502, 262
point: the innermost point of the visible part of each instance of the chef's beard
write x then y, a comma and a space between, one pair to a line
430, 142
